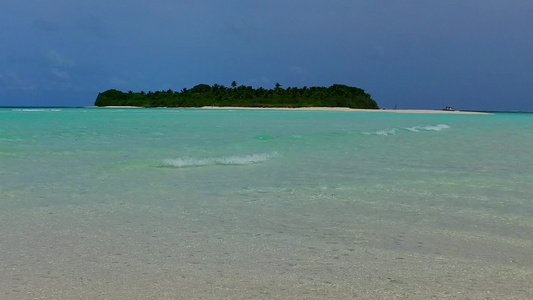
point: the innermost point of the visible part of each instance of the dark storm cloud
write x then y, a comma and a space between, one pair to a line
46, 25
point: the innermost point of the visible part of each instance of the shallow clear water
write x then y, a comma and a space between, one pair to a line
194, 203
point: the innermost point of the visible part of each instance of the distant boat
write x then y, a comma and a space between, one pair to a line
448, 108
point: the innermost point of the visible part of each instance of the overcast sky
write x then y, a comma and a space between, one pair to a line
469, 54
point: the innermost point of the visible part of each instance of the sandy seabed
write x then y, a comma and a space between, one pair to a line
103, 254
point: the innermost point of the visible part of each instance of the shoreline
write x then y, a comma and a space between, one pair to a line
413, 111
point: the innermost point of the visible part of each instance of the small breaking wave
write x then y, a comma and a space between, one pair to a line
235, 160
439, 127
28, 109
386, 131
391, 131
35, 109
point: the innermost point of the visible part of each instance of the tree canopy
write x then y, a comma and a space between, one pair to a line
337, 95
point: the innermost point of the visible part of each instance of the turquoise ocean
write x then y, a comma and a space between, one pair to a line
104, 203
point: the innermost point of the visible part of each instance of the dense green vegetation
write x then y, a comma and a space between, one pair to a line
336, 95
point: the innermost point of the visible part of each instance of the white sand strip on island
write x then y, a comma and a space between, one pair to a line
118, 106
435, 111
411, 111
415, 111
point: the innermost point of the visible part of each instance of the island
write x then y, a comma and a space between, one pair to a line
201, 95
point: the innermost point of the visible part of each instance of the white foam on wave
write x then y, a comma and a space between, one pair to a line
388, 131
234, 160
35, 109
438, 127
391, 131
28, 109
